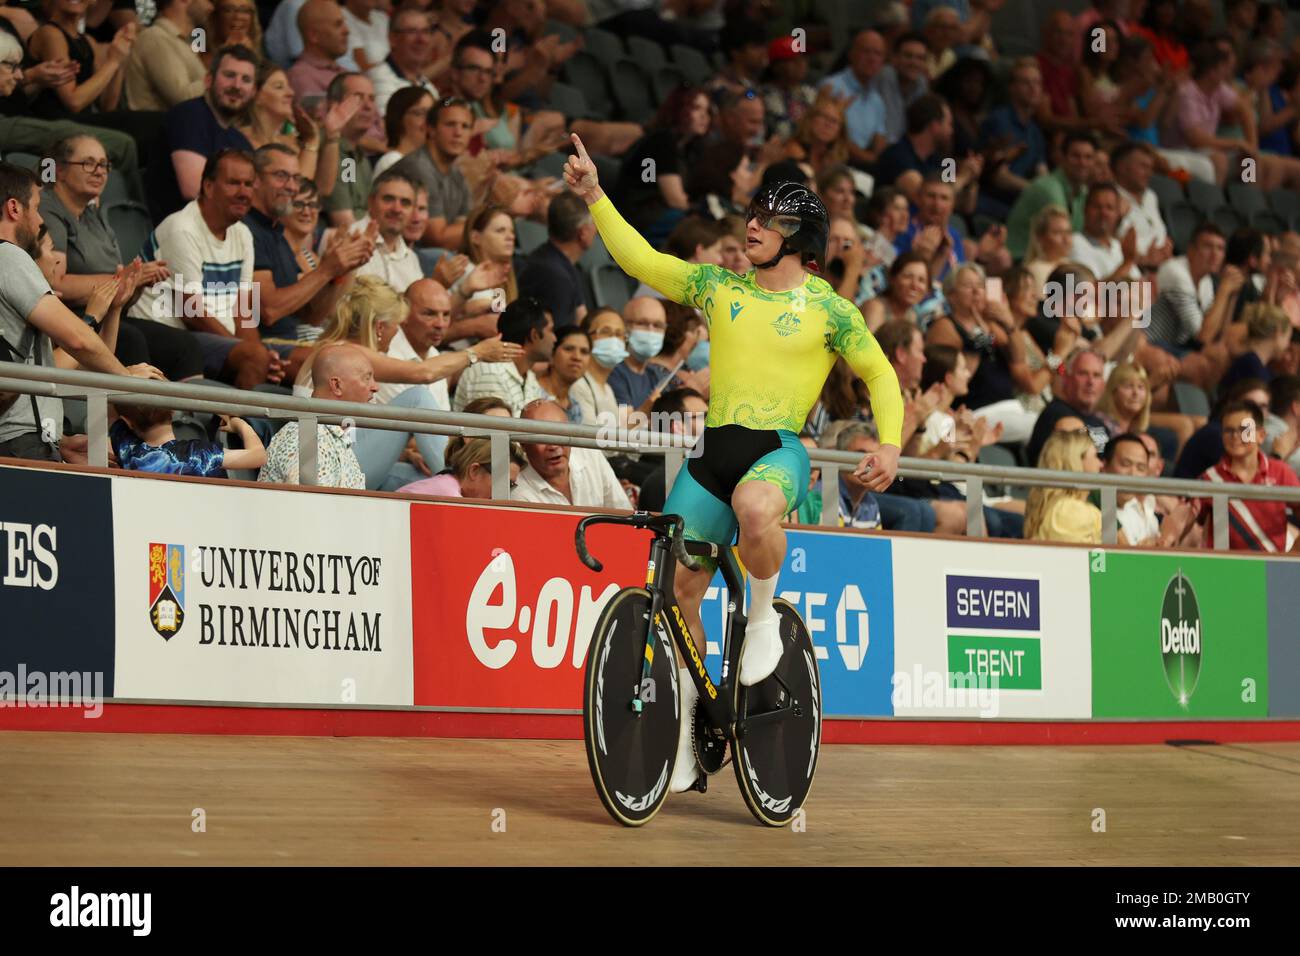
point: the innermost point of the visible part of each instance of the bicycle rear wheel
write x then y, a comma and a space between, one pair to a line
630, 753
776, 759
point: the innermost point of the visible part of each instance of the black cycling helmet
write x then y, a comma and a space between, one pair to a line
793, 210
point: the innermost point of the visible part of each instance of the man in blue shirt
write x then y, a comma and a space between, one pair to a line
865, 116
902, 83
1013, 127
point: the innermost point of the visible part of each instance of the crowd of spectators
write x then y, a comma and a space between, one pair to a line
360, 201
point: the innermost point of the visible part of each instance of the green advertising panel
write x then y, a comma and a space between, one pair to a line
1179, 636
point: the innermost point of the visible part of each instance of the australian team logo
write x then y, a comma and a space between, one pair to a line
787, 323
166, 588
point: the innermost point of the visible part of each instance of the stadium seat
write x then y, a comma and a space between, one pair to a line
1191, 399
560, 29
692, 63
115, 191
1205, 197
1227, 219
1269, 222
666, 79
1182, 220
552, 164
26, 160
1286, 205
131, 224
610, 287
1015, 28
603, 45
528, 235
632, 91
569, 100
646, 53
1247, 199
595, 256
586, 74
607, 168
1168, 191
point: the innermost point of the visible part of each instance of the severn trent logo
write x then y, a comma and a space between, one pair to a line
1180, 638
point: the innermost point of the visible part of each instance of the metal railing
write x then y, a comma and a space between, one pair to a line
98, 390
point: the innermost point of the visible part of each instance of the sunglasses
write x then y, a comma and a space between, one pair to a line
786, 226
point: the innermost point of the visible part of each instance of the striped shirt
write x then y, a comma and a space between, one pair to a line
1180, 307
1253, 525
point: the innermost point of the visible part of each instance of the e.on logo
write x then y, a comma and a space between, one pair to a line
549, 616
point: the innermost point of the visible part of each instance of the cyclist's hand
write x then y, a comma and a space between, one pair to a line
878, 468
580, 173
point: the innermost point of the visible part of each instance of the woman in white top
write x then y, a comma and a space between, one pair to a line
406, 124
608, 337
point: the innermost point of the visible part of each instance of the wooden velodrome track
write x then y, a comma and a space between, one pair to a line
129, 799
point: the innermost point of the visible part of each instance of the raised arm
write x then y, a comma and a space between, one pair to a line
668, 275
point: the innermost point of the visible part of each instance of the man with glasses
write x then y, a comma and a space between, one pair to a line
775, 333
637, 382
164, 69
411, 61
289, 297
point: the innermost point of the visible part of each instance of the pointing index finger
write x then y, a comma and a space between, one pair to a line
582, 150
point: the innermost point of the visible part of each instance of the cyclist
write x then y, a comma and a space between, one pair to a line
775, 333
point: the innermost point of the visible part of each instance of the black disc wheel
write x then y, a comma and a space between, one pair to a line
630, 723
778, 729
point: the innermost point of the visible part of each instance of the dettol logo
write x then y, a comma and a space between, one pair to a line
1180, 638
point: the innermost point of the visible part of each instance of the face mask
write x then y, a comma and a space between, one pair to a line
609, 352
699, 356
646, 345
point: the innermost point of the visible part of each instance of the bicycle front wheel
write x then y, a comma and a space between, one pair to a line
776, 757
630, 724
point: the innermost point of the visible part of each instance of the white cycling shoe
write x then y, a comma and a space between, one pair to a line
761, 651
687, 769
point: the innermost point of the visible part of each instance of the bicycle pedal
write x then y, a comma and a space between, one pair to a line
701, 783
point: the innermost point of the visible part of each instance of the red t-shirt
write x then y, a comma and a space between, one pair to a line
1253, 525
1061, 81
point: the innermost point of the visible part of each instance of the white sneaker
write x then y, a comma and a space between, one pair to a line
687, 769
761, 651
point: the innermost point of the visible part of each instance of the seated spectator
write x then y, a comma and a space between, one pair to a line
861, 508
732, 247
1013, 127
1078, 391
608, 337
490, 284
1250, 251
406, 124
930, 233
1125, 406
1099, 51
300, 233
1133, 165
1254, 524
324, 42
343, 374
902, 81
984, 331
679, 411
1033, 373
289, 297
164, 70
1109, 256
744, 46
909, 285
209, 252
787, 95
1070, 313
1065, 186
942, 30
561, 475
143, 440
821, 139
1190, 315
1284, 403
1261, 67
849, 267
274, 118
1160, 27
1064, 514
865, 116
740, 120
685, 352
432, 166
367, 33
843, 398
887, 216
348, 200
722, 182
415, 57
1268, 335
231, 22
1058, 56
922, 151
1051, 238
1139, 524
100, 72
80, 232
836, 189
966, 86
392, 199
569, 360
200, 128
550, 272
654, 206
469, 471
1205, 447
637, 382
526, 325
417, 340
